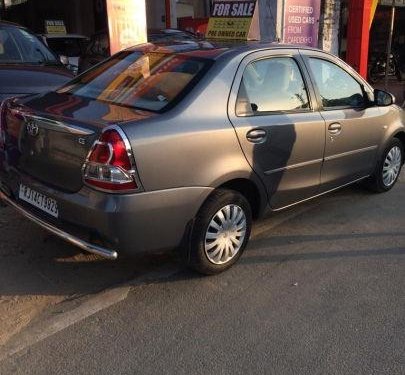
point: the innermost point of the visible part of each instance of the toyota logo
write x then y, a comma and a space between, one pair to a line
32, 128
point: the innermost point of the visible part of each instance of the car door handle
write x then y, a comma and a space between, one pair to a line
335, 128
256, 136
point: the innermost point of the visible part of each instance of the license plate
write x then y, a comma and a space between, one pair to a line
39, 200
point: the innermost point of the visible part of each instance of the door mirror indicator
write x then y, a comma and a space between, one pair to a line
383, 98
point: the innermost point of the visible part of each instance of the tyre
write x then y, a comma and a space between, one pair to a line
388, 168
220, 233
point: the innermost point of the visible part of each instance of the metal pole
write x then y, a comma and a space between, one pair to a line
389, 46
2, 10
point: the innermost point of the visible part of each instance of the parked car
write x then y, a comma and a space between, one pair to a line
153, 149
99, 46
27, 66
71, 46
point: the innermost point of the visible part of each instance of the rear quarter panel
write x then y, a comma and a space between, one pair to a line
194, 144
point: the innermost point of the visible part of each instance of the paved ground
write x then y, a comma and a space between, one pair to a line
38, 271
320, 290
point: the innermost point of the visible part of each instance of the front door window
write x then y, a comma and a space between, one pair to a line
337, 88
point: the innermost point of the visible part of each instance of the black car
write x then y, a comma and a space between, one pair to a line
27, 66
98, 48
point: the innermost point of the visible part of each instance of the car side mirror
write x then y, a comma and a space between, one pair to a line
383, 98
64, 60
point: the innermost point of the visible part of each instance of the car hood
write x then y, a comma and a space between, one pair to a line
18, 80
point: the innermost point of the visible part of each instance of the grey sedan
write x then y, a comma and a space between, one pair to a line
155, 149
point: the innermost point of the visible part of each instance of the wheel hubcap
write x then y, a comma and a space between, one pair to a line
392, 166
225, 234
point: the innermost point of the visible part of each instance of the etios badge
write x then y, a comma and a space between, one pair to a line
32, 128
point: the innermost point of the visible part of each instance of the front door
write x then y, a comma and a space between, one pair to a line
279, 128
353, 127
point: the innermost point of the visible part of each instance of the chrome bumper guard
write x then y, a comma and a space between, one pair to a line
106, 253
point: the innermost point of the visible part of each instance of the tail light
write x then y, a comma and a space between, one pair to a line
110, 165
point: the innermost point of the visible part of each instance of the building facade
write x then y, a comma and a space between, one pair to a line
352, 29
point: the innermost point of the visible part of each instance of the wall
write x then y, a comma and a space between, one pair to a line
329, 26
78, 15
156, 13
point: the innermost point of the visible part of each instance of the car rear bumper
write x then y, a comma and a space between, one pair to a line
110, 224
91, 248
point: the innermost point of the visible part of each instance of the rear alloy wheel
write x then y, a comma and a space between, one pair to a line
220, 233
388, 168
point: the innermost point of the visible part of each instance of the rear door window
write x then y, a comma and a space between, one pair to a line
272, 85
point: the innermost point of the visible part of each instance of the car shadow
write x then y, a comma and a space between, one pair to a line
279, 258
34, 263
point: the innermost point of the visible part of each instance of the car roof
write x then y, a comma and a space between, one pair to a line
215, 49
64, 36
8, 23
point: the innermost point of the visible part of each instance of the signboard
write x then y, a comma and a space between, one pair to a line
55, 27
301, 22
230, 19
126, 23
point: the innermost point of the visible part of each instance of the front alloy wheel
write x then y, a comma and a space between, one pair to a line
388, 168
392, 166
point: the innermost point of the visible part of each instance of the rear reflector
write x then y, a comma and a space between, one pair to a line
109, 165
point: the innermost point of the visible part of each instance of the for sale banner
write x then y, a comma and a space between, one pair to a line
126, 23
301, 22
55, 27
230, 19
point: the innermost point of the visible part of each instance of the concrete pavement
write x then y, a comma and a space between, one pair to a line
319, 293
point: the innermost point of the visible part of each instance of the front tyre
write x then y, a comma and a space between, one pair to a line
220, 232
388, 168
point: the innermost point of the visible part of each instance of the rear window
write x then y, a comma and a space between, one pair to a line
152, 81
18, 46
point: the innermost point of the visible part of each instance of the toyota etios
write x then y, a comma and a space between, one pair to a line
160, 147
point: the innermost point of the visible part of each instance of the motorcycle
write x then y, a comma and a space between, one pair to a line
377, 67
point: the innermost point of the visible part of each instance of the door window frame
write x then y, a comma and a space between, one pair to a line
365, 87
268, 54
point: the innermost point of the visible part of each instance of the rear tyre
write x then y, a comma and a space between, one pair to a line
388, 168
220, 233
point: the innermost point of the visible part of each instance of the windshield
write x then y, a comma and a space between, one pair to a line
18, 46
152, 81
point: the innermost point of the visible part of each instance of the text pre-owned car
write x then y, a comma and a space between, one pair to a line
154, 149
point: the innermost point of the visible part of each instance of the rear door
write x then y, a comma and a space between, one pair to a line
279, 128
353, 126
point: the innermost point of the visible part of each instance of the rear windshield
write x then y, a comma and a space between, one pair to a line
18, 46
152, 81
